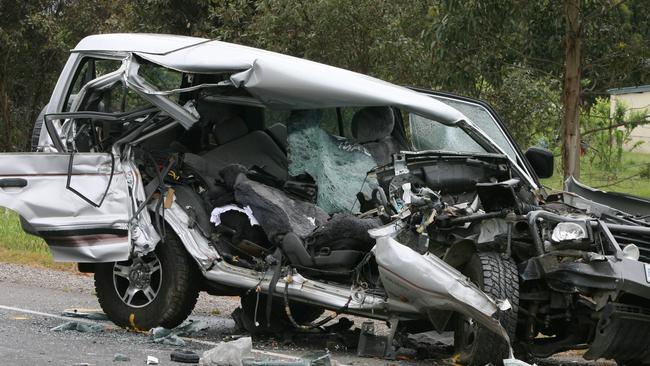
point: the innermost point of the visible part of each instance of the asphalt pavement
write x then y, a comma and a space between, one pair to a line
32, 301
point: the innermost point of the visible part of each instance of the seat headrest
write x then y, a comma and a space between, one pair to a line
230, 129
372, 124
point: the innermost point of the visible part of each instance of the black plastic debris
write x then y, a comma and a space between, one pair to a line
371, 345
184, 356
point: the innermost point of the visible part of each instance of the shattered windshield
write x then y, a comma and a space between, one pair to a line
337, 164
484, 120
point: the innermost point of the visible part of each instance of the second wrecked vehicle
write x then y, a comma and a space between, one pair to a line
172, 165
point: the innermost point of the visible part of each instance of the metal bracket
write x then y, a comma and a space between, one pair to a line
399, 164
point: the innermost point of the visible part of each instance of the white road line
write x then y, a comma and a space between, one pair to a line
33, 312
200, 341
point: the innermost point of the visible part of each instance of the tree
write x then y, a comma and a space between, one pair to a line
571, 95
589, 45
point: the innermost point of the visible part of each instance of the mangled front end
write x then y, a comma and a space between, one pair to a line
601, 290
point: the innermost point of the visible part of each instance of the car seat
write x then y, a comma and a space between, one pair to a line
238, 145
306, 234
372, 127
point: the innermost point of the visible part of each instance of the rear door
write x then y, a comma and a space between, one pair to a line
77, 202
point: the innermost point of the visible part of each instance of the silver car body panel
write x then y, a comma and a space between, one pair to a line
428, 283
74, 229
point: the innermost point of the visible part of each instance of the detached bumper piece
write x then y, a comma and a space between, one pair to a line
622, 334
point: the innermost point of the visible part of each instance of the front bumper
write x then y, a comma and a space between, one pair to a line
570, 272
622, 334
620, 291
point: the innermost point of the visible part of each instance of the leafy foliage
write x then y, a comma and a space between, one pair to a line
509, 52
607, 134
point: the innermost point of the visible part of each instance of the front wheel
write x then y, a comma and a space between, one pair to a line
159, 289
497, 276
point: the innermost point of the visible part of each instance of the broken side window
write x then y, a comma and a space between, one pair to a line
484, 120
431, 135
338, 165
89, 69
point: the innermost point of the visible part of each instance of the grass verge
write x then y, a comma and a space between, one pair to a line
632, 176
18, 247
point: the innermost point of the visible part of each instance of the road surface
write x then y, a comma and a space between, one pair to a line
32, 300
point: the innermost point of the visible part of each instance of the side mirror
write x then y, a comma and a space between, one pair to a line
542, 161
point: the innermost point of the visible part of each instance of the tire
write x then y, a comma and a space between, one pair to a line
175, 287
36, 131
498, 277
302, 314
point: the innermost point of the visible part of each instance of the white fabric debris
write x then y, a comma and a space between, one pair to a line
228, 353
215, 216
516, 362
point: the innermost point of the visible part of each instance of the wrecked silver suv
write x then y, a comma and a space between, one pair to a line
172, 165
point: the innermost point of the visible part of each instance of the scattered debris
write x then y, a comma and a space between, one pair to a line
92, 314
431, 345
405, 354
276, 363
371, 345
172, 336
151, 360
120, 357
515, 362
166, 336
319, 359
184, 356
341, 325
228, 353
307, 360
79, 327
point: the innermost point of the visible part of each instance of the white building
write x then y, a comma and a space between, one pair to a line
635, 98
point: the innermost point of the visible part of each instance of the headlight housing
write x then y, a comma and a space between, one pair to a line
568, 231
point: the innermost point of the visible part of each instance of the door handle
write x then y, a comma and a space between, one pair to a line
13, 183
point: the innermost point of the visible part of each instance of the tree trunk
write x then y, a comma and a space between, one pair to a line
571, 97
5, 118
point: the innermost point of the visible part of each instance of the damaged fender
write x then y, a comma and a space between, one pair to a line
429, 284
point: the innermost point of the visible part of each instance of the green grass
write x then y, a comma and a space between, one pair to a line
633, 163
16, 246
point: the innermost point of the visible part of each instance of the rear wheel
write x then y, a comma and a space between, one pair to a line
159, 289
498, 277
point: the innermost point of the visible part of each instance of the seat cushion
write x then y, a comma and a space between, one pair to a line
278, 132
373, 128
